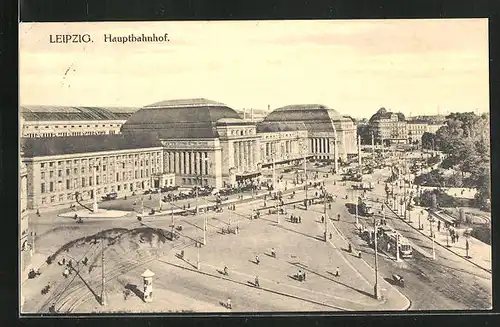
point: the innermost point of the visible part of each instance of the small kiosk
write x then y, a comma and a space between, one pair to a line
147, 277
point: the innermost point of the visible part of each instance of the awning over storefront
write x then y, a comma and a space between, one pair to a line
247, 175
284, 161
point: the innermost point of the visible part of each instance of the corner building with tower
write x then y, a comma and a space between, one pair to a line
182, 142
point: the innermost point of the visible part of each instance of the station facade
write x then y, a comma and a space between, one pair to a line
182, 142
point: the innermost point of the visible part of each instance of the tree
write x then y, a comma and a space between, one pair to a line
429, 140
465, 141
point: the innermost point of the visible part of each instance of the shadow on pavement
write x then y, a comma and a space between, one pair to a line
97, 297
182, 258
320, 238
133, 288
333, 280
196, 226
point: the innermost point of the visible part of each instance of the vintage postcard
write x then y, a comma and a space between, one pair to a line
254, 166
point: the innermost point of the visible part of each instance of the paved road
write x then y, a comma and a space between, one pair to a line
447, 283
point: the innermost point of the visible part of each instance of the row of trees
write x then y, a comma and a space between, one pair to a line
466, 143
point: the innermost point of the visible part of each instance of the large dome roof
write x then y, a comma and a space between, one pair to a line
315, 117
187, 118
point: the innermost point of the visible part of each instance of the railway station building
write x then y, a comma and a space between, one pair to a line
180, 142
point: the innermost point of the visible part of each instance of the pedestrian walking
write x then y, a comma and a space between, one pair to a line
228, 304
330, 235
257, 281
439, 225
456, 237
66, 273
329, 206
225, 270
257, 261
338, 217
300, 219
337, 273
273, 253
322, 219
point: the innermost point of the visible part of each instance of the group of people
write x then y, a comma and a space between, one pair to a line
453, 235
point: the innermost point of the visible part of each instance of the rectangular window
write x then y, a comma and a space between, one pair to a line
59, 163
117, 177
67, 172
51, 164
43, 175
68, 186
123, 165
75, 171
136, 174
142, 174
123, 176
51, 174
90, 181
97, 180
83, 170
59, 173
83, 181
51, 187
104, 168
42, 187
42, 165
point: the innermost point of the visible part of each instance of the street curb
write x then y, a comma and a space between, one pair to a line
261, 288
443, 246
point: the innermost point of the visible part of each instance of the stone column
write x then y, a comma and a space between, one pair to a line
249, 157
242, 155
172, 162
196, 163
236, 155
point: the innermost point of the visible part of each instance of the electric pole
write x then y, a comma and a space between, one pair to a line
375, 288
356, 199
433, 249
205, 228
305, 172
397, 248
103, 281
198, 257
326, 215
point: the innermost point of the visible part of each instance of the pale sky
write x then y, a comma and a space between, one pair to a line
355, 67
